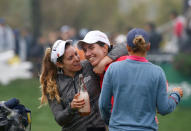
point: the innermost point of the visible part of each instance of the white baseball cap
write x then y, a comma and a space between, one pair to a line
92, 37
58, 49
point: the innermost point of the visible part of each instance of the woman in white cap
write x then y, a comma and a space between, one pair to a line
59, 80
138, 87
97, 50
97, 47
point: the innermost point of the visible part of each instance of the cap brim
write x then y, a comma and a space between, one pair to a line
81, 42
69, 41
56, 53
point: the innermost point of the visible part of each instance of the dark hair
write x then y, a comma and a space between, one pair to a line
102, 44
139, 44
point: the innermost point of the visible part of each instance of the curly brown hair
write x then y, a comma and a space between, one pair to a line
48, 79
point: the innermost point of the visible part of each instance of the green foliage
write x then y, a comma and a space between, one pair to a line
79, 13
173, 75
175, 121
166, 6
137, 16
16, 12
104, 15
182, 63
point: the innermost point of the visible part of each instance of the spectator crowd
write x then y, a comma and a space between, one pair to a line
21, 40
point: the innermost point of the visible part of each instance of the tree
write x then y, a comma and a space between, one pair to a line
36, 19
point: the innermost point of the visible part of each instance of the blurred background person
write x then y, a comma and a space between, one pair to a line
72, 35
64, 32
154, 36
186, 47
178, 28
7, 39
120, 39
52, 37
37, 52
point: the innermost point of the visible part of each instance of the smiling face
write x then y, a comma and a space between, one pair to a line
94, 53
71, 61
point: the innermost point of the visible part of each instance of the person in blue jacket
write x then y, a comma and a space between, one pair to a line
138, 87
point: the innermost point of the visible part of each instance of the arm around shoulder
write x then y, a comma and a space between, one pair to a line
117, 51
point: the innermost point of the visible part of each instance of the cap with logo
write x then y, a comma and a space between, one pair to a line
92, 37
58, 49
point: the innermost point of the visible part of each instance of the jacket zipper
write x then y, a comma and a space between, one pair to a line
74, 85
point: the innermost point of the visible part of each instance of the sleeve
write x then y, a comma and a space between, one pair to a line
117, 51
105, 97
63, 114
165, 103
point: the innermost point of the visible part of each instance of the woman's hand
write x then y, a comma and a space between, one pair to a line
76, 103
179, 90
100, 67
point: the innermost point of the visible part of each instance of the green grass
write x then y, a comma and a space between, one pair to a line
176, 121
28, 92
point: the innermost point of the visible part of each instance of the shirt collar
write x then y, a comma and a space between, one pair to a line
137, 58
